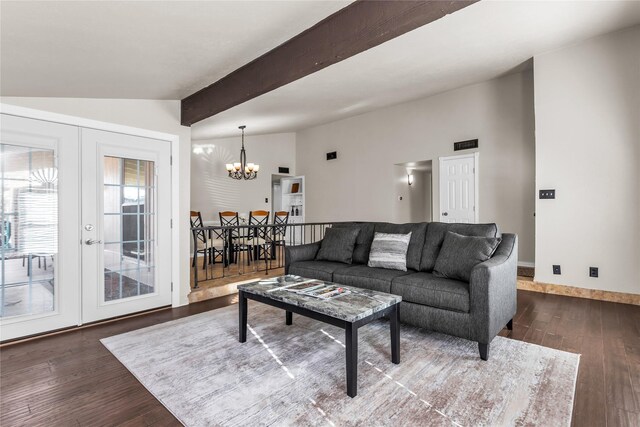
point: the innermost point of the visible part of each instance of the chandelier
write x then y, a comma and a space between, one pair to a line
243, 170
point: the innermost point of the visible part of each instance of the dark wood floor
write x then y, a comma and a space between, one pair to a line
71, 379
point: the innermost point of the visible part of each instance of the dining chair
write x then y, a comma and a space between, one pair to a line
257, 239
235, 237
210, 244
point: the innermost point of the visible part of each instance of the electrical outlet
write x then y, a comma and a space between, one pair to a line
266, 200
593, 271
556, 269
547, 194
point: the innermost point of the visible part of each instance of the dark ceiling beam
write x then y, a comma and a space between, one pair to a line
359, 26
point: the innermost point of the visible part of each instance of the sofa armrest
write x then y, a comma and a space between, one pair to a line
492, 291
293, 254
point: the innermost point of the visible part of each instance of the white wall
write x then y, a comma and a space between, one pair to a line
359, 185
588, 148
160, 116
415, 205
211, 188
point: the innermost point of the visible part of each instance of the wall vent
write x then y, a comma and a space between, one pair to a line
465, 145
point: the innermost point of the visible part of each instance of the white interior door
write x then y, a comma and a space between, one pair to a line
459, 188
126, 224
39, 217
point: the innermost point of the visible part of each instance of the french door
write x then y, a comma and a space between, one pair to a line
85, 225
39, 233
126, 224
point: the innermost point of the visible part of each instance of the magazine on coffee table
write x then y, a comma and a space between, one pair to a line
318, 289
284, 281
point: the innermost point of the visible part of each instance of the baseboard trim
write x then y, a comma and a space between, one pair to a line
21, 340
572, 291
526, 264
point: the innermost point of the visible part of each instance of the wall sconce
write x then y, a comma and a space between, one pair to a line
410, 178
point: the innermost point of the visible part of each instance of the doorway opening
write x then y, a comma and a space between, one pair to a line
413, 191
276, 192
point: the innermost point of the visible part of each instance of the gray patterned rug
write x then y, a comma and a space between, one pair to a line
295, 375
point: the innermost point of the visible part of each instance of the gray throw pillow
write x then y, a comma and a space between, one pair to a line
459, 254
389, 251
337, 245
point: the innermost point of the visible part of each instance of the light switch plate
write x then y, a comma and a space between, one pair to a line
547, 194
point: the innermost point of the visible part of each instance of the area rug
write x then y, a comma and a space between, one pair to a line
295, 375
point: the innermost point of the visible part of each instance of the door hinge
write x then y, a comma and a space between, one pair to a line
171, 223
170, 160
171, 286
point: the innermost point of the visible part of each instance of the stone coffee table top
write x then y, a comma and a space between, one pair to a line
352, 307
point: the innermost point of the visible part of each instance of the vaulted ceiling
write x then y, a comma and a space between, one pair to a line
480, 42
139, 49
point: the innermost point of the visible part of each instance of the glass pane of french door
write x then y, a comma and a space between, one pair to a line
28, 230
129, 214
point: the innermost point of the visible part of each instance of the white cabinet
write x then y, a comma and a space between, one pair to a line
292, 193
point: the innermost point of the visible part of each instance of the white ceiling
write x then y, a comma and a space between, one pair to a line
480, 42
168, 50
139, 49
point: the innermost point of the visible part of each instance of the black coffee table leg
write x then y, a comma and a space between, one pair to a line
351, 338
289, 318
242, 316
395, 334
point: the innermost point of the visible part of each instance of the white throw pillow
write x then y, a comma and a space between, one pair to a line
389, 251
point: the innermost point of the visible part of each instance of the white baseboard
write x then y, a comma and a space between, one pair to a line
526, 264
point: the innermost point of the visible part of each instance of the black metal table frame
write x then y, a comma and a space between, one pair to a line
351, 330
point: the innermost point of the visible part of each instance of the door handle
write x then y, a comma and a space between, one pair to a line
92, 242
445, 213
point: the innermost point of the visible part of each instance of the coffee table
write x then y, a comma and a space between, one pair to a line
348, 312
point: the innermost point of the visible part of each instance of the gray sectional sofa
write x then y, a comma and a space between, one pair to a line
477, 310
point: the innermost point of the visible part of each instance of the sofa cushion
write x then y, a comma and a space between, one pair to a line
436, 232
363, 242
427, 289
389, 251
321, 270
337, 245
417, 230
361, 276
459, 254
